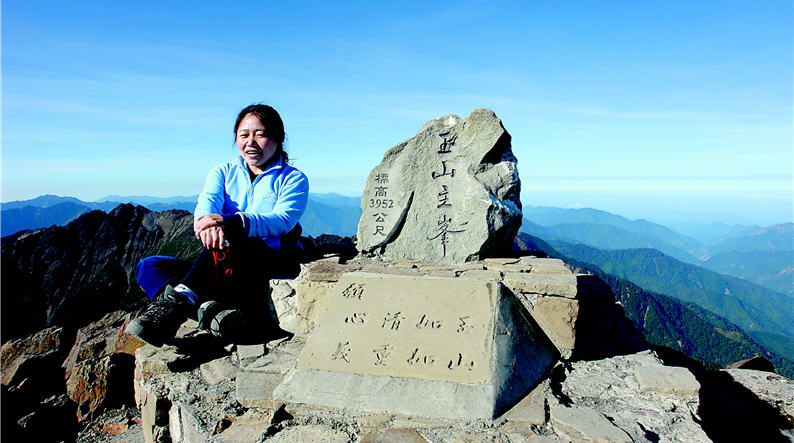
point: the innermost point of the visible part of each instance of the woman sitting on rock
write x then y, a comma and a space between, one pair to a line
247, 219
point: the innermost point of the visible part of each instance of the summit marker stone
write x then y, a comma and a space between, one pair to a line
449, 194
426, 346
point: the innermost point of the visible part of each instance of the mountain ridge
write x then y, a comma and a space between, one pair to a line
662, 318
752, 307
325, 214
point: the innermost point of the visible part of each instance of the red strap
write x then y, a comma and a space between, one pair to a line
218, 257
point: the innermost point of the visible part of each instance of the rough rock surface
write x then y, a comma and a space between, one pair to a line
19, 353
449, 194
774, 390
611, 388
757, 363
114, 426
100, 364
32, 388
597, 400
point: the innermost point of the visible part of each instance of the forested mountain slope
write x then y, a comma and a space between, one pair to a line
666, 321
751, 307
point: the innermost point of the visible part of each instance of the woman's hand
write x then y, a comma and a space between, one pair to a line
212, 237
209, 229
209, 220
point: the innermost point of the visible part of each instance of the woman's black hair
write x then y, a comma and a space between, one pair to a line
272, 122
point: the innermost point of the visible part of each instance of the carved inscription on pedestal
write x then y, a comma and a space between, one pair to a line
428, 328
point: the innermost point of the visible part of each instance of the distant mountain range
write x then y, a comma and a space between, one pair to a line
771, 269
612, 231
698, 268
326, 213
764, 256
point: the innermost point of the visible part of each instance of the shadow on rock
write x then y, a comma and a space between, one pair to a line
728, 411
324, 245
195, 350
52, 420
602, 328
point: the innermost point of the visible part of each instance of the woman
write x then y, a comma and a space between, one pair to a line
247, 219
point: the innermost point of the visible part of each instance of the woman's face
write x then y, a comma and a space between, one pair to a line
254, 145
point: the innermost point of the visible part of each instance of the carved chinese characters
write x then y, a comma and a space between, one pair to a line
447, 195
379, 201
444, 229
421, 328
420, 345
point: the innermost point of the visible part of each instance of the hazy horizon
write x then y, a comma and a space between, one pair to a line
650, 210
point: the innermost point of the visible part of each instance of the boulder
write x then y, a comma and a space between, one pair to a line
100, 366
449, 194
52, 420
626, 392
774, 390
32, 381
585, 425
17, 354
757, 363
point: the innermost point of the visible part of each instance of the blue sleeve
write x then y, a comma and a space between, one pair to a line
292, 197
210, 201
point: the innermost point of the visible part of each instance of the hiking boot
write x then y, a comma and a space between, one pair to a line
228, 324
159, 323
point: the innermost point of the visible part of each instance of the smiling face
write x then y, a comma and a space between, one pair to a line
254, 145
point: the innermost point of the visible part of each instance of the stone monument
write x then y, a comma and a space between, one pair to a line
449, 194
419, 345
436, 346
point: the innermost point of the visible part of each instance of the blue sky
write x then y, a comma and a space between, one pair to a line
664, 110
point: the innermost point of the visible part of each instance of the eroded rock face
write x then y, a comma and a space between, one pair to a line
16, 354
100, 365
32, 388
774, 390
449, 194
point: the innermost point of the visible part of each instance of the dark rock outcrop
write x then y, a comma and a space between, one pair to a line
328, 244
73, 275
758, 363
32, 386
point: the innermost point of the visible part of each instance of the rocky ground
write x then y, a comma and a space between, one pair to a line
634, 397
609, 385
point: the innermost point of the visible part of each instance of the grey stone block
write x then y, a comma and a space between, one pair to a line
217, 370
667, 379
248, 353
255, 389
582, 424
